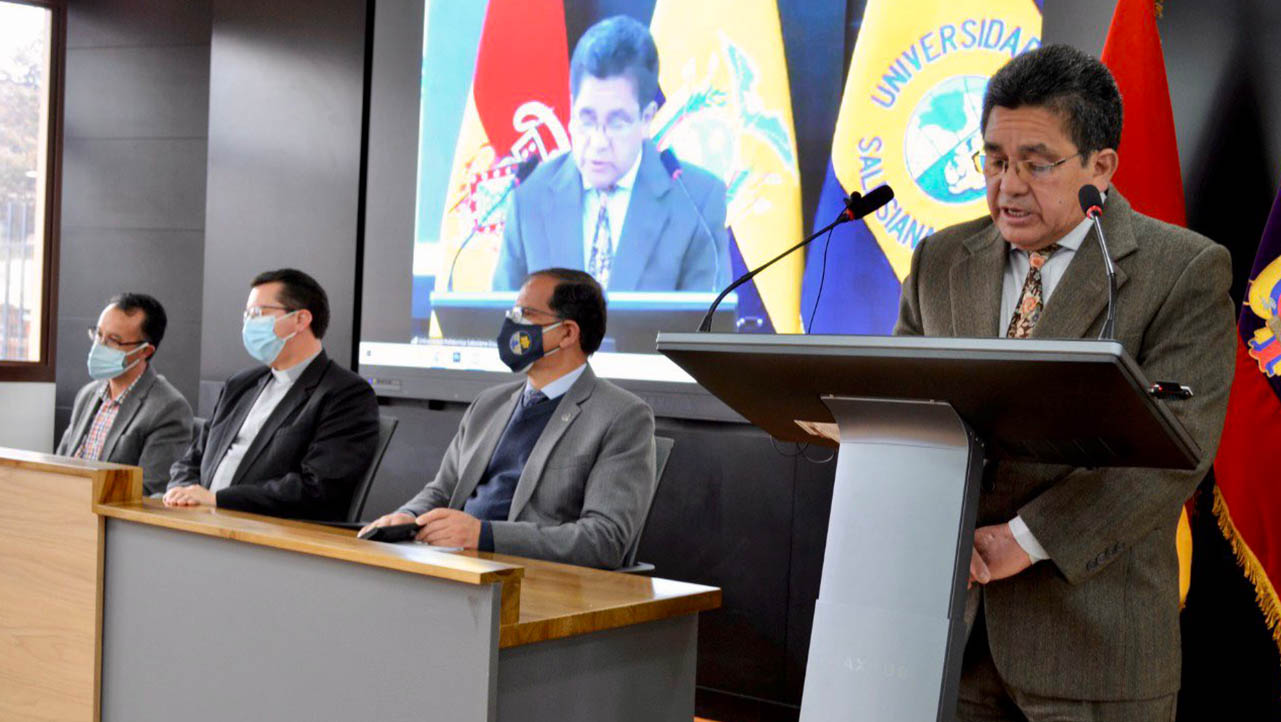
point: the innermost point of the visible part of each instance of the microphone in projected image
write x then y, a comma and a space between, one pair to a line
856, 207
674, 169
523, 170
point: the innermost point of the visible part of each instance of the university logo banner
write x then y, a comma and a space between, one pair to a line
909, 117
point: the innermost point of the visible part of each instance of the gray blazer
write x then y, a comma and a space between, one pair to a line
584, 489
1100, 619
663, 247
151, 430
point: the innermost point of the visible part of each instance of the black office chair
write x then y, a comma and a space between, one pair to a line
662, 452
386, 427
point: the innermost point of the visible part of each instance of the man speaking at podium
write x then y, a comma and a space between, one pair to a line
1075, 596
609, 207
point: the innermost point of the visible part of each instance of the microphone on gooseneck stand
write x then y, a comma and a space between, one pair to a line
856, 207
1092, 204
523, 170
674, 169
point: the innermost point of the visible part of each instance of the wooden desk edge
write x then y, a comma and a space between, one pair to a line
281, 538
599, 620
111, 482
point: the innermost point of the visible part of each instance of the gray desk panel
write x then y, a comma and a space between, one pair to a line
200, 628
642, 673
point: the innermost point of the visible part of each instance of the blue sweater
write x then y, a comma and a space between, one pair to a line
492, 499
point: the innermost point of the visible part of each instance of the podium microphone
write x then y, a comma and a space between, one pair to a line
674, 169
1092, 204
856, 207
523, 170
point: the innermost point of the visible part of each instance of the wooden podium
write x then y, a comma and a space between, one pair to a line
50, 581
916, 419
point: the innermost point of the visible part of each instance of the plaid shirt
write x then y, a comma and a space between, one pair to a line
91, 447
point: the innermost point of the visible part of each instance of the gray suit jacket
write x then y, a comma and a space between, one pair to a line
151, 430
1100, 619
584, 489
663, 247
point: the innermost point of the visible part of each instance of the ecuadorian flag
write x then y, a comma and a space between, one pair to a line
728, 110
909, 117
1249, 453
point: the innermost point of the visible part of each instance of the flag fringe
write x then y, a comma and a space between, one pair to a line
1265, 595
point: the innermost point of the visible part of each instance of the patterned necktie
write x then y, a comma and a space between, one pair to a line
602, 254
1030, 305
532, 396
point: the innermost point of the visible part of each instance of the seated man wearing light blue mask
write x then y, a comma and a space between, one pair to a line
558, 464
129, 414
293, 436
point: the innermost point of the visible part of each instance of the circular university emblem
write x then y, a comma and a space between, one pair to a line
942, 140
520, 343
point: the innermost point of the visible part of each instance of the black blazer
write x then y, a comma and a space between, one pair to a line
309, 455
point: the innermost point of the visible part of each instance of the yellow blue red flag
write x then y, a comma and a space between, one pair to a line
909, 117
728, 109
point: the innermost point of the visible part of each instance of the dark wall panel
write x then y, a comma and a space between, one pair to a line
139, 92
723, 516
134, 150
393, 169
137, 23
285, 99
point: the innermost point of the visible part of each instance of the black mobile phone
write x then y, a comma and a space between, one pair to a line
392, 534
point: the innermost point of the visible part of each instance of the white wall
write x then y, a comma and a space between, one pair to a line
27, 420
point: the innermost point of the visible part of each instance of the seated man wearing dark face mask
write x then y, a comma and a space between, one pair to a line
558, 465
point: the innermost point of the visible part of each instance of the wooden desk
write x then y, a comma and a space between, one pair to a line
50, 581
238, 616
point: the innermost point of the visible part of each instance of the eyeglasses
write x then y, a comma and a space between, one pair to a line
1030, 170
95, 336
256, 311
612, 128
521, 314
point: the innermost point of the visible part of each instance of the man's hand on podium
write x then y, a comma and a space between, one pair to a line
192, 495
997, 555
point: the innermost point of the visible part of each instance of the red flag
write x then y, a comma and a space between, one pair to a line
1149, 173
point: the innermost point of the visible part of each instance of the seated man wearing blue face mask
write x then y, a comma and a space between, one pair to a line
290, 438
558, 465
129, 414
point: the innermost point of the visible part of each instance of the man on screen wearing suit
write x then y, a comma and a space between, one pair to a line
289, 438
609, 206
129, 414
1075, 572
558, 465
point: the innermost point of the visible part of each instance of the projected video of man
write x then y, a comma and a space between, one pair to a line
612, 206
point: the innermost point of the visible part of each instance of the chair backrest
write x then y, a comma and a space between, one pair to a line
386, 427
662, 452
